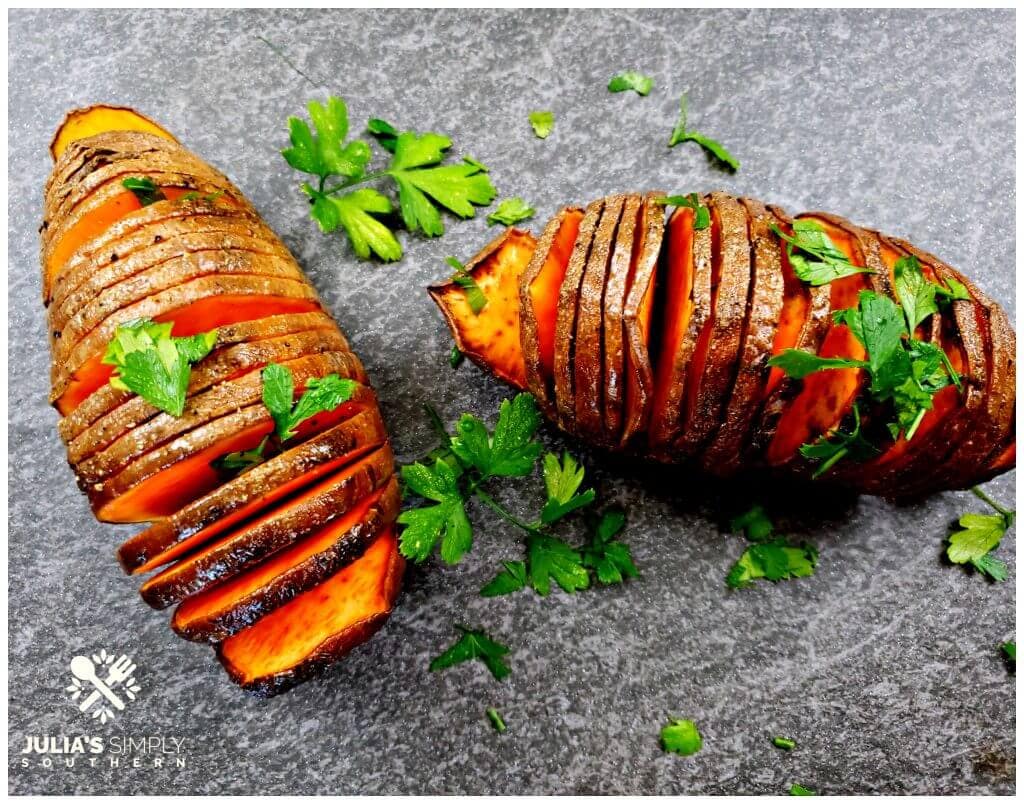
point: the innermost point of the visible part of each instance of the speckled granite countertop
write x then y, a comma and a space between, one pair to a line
883, 666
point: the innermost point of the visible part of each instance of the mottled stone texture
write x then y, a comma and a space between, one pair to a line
883, 666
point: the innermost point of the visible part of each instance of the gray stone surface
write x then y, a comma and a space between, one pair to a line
883, 666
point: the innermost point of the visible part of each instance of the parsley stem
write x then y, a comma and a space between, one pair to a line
909, 434
833, 459
501, 511
981, 495
380, 174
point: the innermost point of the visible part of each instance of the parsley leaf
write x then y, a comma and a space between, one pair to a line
474, 644
383, 132
829, 449
355, 212
1010, 649
813, 256
242, 461
562, 479
797, 363
144, 189
149, 362
681, 737
549, 558
475, 297
447, 520
326, 153
510, 212
701, 214
511, 451
509, 580
610, 559
800, 790
773, 561
630, 79
916, 294
455, 357
321, 394
716, 149
755, 524
543, 123
416, 170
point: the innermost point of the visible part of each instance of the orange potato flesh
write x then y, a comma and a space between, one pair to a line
492, 336
826, 396
358, 594
700, 351
210, 531
1005, 459
93, 120
95, 223
165, 492
678, 306
200, 316
545, 288
221, 597
795, 309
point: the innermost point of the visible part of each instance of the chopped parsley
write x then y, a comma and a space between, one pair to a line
769, 557
510, 212
814, 258
474, 644
543, 123
785, 743
701, 214
144, 189
150, 362
1009, 650
475, 297
979, 537
425, 184
681, 737
631, 79
681, 134
800, 790
497, 720
455, 357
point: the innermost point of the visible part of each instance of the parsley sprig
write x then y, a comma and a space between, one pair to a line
425, 185
768, 557
463, 467
813, 256
979, 537
701, 214
682, 134
150, 362
474, 644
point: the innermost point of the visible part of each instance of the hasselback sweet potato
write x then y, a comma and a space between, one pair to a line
245, 514
696, 354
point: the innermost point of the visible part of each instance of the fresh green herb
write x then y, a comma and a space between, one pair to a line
800, 790
768, 557
446, 520
424, 184
919, 297
829, 449
321, 394
382, 131
475, 297
509, 580
550, 558
480, 166
611, 560
543, 123
144, 189
471, 645
455, 357
681, 737
244, 460
510, 212
701, 214
681, 134
195, 195
813, 256
1010, 651
496, 720
630, 79
754, 524
785, 743
149, 362
979, 536
562, 479
797, 363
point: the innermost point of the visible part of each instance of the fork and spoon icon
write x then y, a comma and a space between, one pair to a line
83, 668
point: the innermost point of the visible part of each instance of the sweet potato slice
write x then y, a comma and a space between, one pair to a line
825, 397
565, 318
250, 493
198, 306
684, 312
723, 456
491, 338
637, 317
314, 508
588, 374
170, 274
239, 348
628, 240
91, 120
803, 322
315, 629
538, 301
143, 266
240, 601
164, 480
220, 400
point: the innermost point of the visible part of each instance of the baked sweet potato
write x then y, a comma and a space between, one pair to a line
700, 318
188, 249
315, 629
